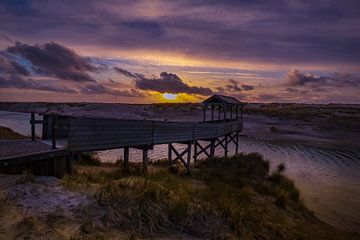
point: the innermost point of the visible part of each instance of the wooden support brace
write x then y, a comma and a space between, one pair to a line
180, 156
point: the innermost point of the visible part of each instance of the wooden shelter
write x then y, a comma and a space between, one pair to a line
223, 104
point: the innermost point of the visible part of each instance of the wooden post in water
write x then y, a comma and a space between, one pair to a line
126, 158
32, 121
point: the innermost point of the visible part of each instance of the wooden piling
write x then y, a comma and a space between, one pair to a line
53, 130
145, 159
126, 157
32, 121
212, 148
170, 153
226, 147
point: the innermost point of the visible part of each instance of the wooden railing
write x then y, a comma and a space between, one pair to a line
101, 134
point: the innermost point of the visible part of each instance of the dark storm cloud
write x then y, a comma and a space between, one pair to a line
167, 83
170, 83
30, 84
280, 31
296, 78
55, 60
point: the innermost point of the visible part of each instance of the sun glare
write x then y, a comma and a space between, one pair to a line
169, 96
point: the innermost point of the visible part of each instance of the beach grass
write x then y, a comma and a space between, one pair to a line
234, 198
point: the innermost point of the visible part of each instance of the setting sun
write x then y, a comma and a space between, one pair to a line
170, 96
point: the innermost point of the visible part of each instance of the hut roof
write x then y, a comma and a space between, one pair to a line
217, 98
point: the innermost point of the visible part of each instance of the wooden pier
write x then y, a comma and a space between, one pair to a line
95, 134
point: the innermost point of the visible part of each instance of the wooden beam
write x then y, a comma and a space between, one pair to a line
195, 151
226, 147
237, 143
53, 130
145, 159
188, 157
212, 112
32, 121
212, 149
126, 157
170, 153
204, 113
219, 113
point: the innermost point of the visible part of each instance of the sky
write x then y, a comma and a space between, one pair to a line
145, 51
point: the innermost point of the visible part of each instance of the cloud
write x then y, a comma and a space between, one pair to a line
96, 88
234, 87
247, 87
166, 83
296, 78
21, 83
55, 60
128, 74
8, 66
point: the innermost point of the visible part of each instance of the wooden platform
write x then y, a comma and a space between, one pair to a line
19, 156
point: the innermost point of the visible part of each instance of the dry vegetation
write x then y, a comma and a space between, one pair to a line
236, 198
324, 116
220, 199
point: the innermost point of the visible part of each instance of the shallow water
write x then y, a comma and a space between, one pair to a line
329, 179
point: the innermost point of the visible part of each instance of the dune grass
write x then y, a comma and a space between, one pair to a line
235, 198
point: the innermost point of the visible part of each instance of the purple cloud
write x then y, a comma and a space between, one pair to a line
55, 60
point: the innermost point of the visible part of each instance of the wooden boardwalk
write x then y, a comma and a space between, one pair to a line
95, 134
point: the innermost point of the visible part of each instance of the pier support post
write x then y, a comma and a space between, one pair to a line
145, 159
195, 150
212, 148
126, 158
226, 147
237, 143
170, 153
